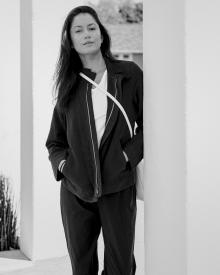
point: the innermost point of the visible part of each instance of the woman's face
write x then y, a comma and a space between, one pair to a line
85, 34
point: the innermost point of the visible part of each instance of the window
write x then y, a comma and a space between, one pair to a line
123, 56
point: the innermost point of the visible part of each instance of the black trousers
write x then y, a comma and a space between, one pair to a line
82, 221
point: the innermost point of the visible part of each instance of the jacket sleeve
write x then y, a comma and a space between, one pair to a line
56, 142
134, 147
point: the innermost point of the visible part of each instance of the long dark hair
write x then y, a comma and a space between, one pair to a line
69, 63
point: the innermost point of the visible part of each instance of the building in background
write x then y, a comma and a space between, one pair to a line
127, 41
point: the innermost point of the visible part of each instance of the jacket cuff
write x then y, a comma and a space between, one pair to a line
55, 165
57, 174
61, 164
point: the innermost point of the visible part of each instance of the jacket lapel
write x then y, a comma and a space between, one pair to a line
113, 87
114, 80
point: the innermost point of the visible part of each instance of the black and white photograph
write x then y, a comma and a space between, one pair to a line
109, 137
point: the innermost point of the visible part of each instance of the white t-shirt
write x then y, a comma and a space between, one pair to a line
100, 107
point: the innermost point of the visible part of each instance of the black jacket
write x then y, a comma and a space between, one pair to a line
89, 171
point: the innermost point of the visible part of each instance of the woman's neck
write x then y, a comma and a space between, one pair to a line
95, 62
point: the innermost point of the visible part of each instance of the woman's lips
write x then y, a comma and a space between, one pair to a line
88, 43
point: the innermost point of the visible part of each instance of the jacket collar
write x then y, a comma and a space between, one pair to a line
114, 68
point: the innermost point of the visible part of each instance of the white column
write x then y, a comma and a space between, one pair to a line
182, 152
165, 138
26, 128
203, 136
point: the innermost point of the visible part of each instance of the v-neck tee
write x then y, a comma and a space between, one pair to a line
99, 101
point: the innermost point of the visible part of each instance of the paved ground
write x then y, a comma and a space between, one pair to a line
15, 263
61, 266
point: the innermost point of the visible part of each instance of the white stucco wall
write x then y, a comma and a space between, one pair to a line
165, 143
182, 67
10, 94
203, 136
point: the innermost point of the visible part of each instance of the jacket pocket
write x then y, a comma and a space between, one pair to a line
65, 167
124, 162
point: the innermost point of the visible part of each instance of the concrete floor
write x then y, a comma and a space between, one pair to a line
59, 266
15, 263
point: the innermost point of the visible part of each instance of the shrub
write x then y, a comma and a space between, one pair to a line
8, 217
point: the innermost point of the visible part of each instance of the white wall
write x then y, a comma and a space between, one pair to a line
203, 136
182, 69
10, 94
165, 143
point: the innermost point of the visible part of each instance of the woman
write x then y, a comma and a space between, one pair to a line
90, 148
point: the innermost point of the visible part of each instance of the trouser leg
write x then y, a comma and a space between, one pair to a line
118, 218
82, 228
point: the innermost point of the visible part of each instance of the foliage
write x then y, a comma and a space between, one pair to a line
8, 217
108, 12
118, 12
131, 12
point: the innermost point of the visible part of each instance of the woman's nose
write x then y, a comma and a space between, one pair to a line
86, 33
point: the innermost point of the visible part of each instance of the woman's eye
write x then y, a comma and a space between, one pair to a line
92, 29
